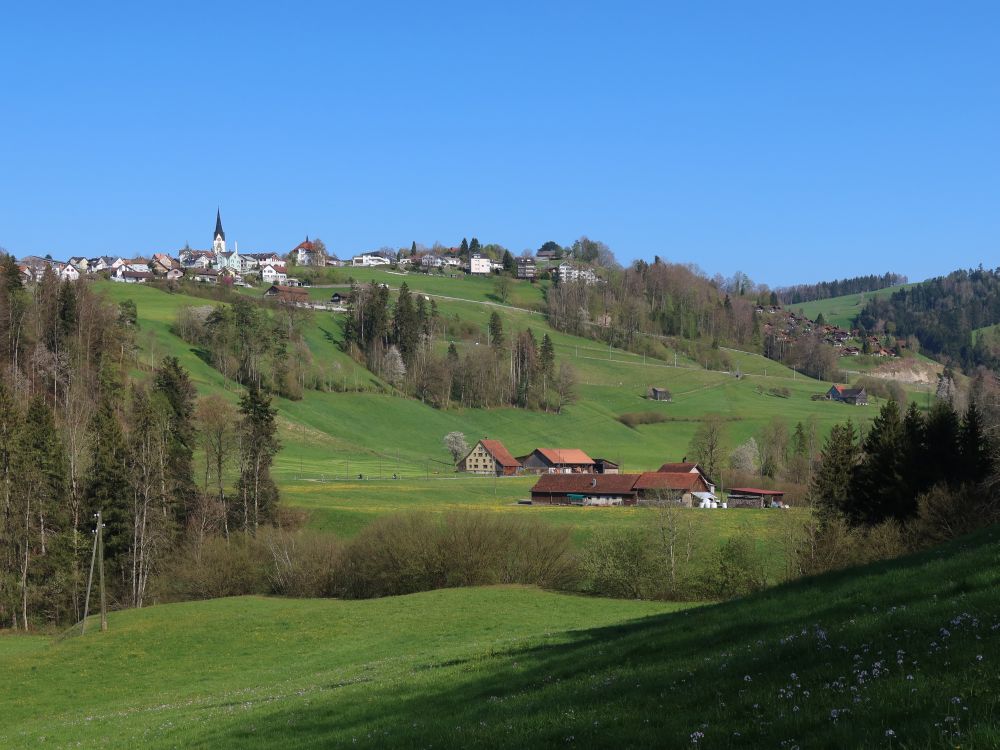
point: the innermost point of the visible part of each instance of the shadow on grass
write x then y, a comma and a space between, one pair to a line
724, 670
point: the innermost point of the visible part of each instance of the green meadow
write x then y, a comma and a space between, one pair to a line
899, 654
842, 310
330, 438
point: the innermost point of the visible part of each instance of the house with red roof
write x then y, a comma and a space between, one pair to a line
685, 467
621, 489
557, 461
490, 457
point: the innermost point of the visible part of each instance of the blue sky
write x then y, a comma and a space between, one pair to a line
792, 141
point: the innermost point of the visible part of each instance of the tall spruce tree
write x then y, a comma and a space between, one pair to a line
107, 488
496, 332
172, 381
258, 446
975, 447
941, 457
40, 505
878, 491
830, 489
406, 325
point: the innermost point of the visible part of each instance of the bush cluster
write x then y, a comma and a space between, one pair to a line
397, 554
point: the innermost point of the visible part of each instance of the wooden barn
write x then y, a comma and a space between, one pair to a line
684, 467
585, 489
750, 497
659, 394
557, 461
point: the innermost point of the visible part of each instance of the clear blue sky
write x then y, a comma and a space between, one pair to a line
793, 143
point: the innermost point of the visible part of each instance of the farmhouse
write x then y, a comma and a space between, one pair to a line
855, 396
590, 489
659, 394
288, 294
684, 488
490, 457
750, 497
557, 461
688, 468
620, 489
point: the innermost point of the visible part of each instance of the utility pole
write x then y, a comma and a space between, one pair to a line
100, 564
90, 581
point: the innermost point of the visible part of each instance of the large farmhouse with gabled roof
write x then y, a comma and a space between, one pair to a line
490, 457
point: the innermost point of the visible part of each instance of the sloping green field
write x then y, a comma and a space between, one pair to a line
901, 654
329, 439
842, 310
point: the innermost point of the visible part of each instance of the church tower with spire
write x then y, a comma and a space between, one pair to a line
219, 241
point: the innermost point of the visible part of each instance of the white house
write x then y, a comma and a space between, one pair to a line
69, 272
569, 272
273, 274
367, 260
479, 264
80, 263
131, 277
432, 261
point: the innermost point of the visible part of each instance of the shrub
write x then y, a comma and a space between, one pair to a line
215, 567
303, 564
736, 569
634, 419
944, 513
406, 553
620, 563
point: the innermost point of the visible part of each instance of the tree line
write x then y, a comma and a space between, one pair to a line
793, 295
912, 481
942, 313
78, 435
403, 344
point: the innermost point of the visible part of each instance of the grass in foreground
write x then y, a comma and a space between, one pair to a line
900, 654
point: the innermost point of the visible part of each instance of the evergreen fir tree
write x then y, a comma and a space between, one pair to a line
463, 249
830, 489
975, 447
547, 356
172, 381
509, 265
405, 325
878, 491
107, 488
941, 459
474, 246
496, 332
258, 446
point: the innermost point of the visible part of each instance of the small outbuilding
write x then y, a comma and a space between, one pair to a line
659, 394
750, 497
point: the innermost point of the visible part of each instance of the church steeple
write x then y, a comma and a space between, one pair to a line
219, 238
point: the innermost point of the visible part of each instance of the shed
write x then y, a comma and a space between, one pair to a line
659, 394
751, 497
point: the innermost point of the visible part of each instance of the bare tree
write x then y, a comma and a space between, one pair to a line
706, 446
217, 422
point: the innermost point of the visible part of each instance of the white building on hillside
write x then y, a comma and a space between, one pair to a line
569, 272
367, 260
480, 265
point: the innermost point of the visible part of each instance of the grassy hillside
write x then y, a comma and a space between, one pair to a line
841, 310
328, 436
900, 654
